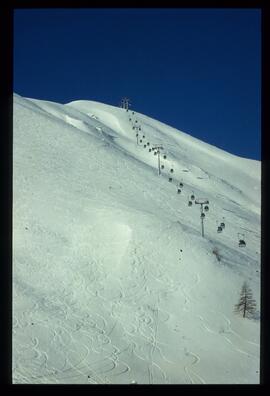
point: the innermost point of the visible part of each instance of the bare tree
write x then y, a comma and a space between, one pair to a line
246, 303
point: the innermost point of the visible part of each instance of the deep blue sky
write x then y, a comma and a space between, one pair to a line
198, 70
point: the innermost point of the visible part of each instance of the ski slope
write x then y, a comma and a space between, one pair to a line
112, 281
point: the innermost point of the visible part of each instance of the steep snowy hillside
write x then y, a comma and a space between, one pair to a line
112, 279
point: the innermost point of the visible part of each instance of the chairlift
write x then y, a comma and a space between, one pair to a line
189, 203
206, 208
242, 242
170, 179
219, 229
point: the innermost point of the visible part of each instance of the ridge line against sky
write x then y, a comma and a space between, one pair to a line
197, 70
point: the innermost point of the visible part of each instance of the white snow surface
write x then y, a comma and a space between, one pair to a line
112, 281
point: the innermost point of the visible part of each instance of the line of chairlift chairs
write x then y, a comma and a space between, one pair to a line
221, 227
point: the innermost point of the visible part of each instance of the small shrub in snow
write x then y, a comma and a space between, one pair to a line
217, 253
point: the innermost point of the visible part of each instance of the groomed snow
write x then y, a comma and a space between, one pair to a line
112, 280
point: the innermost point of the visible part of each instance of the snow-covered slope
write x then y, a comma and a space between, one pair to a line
112, 280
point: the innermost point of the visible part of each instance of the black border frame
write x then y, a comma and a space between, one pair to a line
6, 143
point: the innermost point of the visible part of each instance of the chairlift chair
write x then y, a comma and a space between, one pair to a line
219, 229
150, 150
189, 203
162, 166
144, 145
164, 156
178, 191
155, 153
171, 170
206, 208
170, 179
222, 225
140, 140
202, 215
143, 137
148, 144
242, 243
181, 184
192, 197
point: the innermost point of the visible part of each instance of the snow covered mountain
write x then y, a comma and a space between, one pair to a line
112, 279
